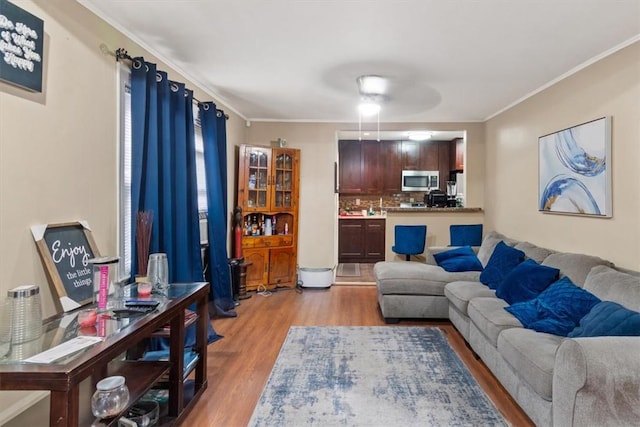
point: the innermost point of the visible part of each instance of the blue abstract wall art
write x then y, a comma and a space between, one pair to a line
575, 170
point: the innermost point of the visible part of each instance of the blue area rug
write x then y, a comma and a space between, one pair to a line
371, 376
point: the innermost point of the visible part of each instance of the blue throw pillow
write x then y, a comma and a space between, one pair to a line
557, 310
608, 318
552, 325
527, 312
526, 281
453, 253
503, 259
566, 301
458, 259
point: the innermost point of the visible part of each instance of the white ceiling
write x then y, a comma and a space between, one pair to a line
447, 60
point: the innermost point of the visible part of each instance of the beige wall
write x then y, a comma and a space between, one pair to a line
317, 242
610, 87
58, 149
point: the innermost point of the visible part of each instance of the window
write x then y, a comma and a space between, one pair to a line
202, 181
124, 220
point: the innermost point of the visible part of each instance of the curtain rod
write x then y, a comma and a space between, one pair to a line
122, 54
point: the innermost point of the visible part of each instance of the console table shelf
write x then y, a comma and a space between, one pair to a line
140, 376
63, 378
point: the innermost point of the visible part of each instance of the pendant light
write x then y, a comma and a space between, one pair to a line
372, 91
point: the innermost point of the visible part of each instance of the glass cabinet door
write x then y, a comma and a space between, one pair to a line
257, 178
283, 180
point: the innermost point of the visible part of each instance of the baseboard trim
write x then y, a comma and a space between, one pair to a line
21, 405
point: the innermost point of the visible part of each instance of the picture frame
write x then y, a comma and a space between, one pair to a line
65, 250
574, 170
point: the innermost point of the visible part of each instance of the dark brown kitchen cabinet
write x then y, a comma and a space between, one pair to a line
361, 240
428, 156
411, 155
443, 163
375, 167
350, 240
391, 160
374, 249
456, 154
371, 167
360, 167
420, 155
350, 170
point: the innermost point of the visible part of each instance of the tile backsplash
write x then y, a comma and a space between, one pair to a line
356, 203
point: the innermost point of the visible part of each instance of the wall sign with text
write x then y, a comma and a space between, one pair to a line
21, 47
65, 251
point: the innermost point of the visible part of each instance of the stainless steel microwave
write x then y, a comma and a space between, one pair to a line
420, 180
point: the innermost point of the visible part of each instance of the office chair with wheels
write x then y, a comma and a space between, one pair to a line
409, 240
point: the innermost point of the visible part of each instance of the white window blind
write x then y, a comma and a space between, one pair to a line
201, 177
125, 172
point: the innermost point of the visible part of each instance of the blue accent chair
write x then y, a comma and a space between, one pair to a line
409, 240
465, 235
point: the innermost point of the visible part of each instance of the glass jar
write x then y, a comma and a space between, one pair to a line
26, 313
110, 398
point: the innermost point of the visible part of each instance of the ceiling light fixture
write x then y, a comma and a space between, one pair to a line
420, 135
372, 89
371, 84
368, 108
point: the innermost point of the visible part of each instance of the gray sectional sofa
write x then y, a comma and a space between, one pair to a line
556, 380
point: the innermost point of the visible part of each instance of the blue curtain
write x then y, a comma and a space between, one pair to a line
214, 136
164, 172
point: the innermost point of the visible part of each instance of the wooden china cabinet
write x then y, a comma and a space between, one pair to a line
268, 191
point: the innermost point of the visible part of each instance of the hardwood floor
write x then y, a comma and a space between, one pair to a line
240, 363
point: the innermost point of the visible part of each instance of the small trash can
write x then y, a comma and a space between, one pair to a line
315, 277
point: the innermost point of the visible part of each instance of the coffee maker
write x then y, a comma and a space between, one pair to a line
451, 194
435, 198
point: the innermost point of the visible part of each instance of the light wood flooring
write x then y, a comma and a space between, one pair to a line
240, 363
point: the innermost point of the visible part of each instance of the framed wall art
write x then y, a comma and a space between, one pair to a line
65, 250
574, 170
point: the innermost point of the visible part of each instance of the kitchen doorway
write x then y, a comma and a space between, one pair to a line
355, 274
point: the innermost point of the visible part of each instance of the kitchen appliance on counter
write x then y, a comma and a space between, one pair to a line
436, 199
420, 180
412, 205
451, 194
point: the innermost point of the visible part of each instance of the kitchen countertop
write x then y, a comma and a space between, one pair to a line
360, 216
396, 210
427, 210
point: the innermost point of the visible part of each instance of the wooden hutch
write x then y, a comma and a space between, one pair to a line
268, 191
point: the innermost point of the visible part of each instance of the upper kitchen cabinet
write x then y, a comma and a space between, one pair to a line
411, 155
360, 167
350, 160
375, 167
420, 155
372, 178
391, 161
443, 163
429, 156
456, 156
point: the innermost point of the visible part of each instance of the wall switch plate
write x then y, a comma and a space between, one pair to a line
357, 201
411, 199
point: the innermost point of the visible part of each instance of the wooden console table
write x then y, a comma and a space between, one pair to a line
63, 377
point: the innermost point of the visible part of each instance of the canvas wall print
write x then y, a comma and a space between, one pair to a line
575, 170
